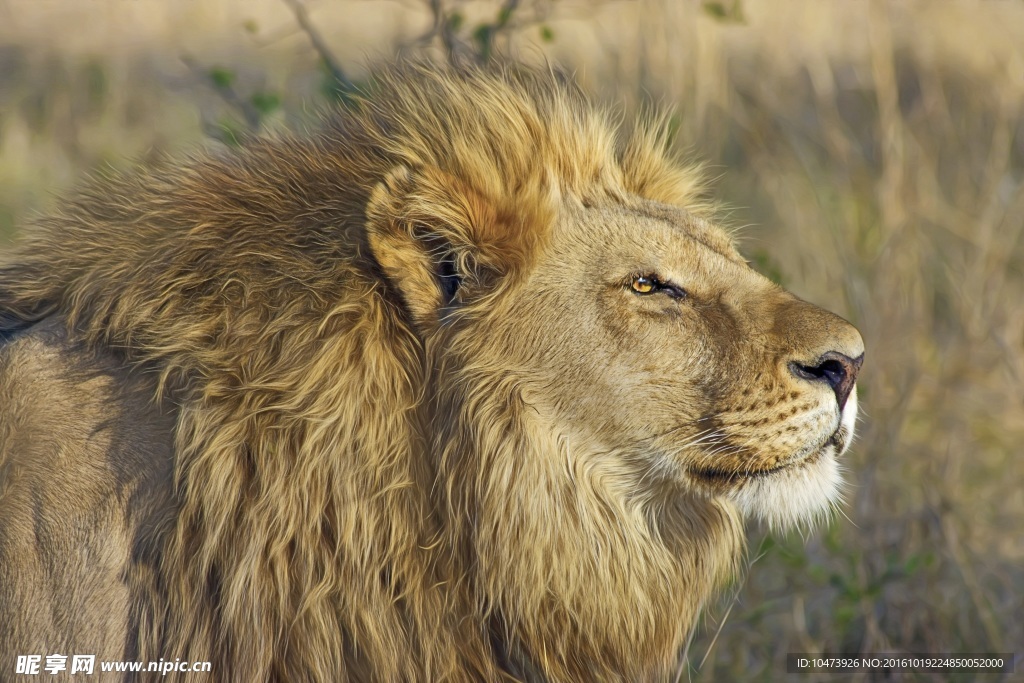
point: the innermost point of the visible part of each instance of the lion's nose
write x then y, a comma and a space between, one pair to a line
838, 370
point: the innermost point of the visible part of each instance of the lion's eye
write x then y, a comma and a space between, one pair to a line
651, 284
643, 284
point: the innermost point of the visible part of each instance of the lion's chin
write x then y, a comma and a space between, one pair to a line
803, 493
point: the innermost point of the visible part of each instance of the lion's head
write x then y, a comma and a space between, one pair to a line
471, 373
623, 316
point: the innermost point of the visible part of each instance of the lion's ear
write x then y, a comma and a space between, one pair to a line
434, 235
410, 247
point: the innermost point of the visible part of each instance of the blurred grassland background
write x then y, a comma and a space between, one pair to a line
872, 152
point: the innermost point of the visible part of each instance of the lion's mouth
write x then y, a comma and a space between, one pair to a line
717, 477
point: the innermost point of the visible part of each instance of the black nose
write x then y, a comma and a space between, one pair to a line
836, 369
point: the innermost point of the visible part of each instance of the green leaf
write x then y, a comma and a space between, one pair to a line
546, 34
251, 26
504, 15
483, 35
715, 9
455, 21
266, 102
731, 12
221, 77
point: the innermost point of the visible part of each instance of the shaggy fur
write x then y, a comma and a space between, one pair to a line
396, 453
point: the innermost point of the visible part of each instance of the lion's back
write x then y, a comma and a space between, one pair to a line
85, 494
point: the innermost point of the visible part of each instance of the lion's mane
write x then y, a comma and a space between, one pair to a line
355, 500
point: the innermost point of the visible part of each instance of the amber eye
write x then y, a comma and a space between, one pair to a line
643, 284
650, 284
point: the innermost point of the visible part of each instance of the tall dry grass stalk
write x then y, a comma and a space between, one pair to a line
874, 153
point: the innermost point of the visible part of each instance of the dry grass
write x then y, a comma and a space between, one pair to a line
876, 152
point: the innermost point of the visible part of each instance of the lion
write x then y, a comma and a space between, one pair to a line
466, 385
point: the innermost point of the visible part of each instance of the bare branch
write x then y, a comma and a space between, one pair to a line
441, 28
302, 19
487, 38
249, 112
